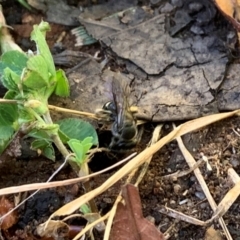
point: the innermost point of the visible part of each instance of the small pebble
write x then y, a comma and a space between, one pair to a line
167, 8
177, 188
183, 201
200, 195
173, 203
193, 178
196, 30
179, 158
177, 3
198, 188
234, 161
204, 18
151, 219
195, 7
156, 3
203, 205
190, 204
107, 200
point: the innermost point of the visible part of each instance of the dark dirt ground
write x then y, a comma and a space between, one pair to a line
218, 142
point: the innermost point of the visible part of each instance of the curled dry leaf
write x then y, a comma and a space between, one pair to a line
10, 219
129, 222
54, 230
231, 10
53, 234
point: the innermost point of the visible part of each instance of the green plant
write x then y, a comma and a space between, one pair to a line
30, 80
80, 149
25, 4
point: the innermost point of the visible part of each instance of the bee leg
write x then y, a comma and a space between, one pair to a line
118, 143
105, 115
114, 142
139, 134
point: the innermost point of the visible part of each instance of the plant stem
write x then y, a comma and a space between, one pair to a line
31, 111
59, 144
47, 118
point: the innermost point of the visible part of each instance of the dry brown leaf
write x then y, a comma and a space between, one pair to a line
129, 222
211, 234
9, 220
55, 230
231, 10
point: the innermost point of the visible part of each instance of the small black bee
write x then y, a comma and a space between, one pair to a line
124, 126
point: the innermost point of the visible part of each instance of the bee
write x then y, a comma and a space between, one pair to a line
124, 125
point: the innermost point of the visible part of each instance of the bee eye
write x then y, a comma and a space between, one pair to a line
110, 106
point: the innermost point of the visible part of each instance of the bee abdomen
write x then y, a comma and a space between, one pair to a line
129, 133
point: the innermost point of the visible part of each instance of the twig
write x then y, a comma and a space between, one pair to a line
155, 138
179, 174
2, 100
70, 111
181, 216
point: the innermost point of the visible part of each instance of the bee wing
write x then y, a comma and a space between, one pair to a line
120, 91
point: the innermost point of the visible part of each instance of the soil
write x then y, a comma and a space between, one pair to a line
219, 143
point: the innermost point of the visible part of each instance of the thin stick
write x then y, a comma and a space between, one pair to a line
155, 138
8, 101
70, 111
50, 178
179, 174
34, 186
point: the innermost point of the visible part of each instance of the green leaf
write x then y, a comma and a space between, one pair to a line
11, 67
87, 144
85, 209
78, 129
33, 81
77, 148
87, 140
3, 145
15, 60
25, 116
45, 93
6, 132
86, 148
38, 35
25, 4
64, 138
45, 147
10, 95
80, 150
8, 123
39, 134
10, 79
37, 67
5, 136
62, 88
8, 114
